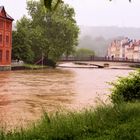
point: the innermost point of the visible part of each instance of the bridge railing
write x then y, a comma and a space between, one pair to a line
95, 58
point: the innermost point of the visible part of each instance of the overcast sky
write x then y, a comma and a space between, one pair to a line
90, 12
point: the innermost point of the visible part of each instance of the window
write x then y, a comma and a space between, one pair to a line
0, 38
7, 39
8, 26
7, 56
0, 55
1, 24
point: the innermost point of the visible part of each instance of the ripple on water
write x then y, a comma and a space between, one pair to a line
25, 94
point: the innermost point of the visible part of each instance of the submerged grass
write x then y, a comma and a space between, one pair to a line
31, 66
120, 122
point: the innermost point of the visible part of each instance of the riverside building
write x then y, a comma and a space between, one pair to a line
5, 39
124, 49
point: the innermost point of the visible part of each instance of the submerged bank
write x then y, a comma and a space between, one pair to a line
29, 67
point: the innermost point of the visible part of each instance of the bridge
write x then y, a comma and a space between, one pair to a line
93, 58
100, 62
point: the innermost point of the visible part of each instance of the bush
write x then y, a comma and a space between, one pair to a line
126, 88
49, 62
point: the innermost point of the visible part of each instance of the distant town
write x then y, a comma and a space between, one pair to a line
125, 48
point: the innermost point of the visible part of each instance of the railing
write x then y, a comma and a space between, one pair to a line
94, 58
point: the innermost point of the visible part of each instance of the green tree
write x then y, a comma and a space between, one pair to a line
59, 28
84, 52
21, 42
50, 33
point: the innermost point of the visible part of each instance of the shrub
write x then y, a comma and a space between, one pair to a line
50, 62
126, 88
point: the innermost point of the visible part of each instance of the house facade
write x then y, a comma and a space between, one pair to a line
5, 39
124, 49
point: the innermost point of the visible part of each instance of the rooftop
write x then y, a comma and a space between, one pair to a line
6, 15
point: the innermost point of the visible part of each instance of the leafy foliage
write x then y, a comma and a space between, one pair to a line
48, 4
127, 88
48, 34
22, 48
84, 52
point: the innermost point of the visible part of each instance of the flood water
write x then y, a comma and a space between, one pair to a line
25, 94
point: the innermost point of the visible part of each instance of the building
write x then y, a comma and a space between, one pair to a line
114, 49
124, 49
5, 39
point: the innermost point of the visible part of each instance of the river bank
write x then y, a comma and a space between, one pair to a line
88, 65
103, 123
29, 67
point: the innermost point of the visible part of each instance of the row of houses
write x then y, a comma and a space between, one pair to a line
125, 48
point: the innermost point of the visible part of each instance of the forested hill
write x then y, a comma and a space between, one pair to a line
98, 38
110, 32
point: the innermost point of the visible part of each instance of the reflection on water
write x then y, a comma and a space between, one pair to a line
24, 94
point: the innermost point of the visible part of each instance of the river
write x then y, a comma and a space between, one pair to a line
25, 94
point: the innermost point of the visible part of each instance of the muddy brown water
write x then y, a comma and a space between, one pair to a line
25, 94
